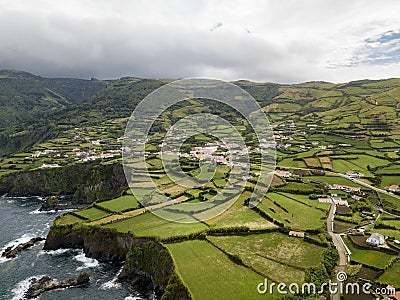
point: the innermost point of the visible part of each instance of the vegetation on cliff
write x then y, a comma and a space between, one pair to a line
86, 182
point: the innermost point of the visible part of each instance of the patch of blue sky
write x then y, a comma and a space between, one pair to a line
383, 49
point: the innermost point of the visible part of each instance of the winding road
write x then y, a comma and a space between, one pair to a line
336, 238
338, 242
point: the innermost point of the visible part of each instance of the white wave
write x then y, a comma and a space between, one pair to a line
39, 212
22, 287
23, 239
133, 298
55, 252
87, 261
113, 283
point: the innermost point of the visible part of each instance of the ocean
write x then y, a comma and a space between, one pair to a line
20, 220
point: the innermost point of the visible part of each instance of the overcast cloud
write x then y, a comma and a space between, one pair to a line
279, 41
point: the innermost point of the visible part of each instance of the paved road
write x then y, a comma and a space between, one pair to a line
337, 241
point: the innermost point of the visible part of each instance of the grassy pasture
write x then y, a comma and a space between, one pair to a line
312, 162
240, 215
123, 203
149, 224
331, 180
391, 275
371, 258
68, 219
292, 213
276, 255
91, 213
210, 274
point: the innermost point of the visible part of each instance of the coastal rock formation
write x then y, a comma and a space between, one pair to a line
46, 283
148, 263
12, 251
85, 182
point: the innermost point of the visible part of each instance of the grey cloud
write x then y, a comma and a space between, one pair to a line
158, 39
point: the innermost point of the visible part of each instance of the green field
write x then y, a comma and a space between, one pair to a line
149, 224
342, 166
306, 200
390, 180
123, 203
331, 180
371, 258
388, 232
391, 275
92, 213
239, 215
298, 215
394, 223
389, 170
289, 162
67, 219
210, 274
275, 255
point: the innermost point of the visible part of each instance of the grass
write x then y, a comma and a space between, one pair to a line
149, 224
342, 166
210, 274
123, 203
373, 258
312, 162
289, 162
68, 219
389, 180
391, 275
306, 200
92, 213
298, 216
275, 255
331, 180
297, 186
389, 170
388, 232
394, 223
240, 215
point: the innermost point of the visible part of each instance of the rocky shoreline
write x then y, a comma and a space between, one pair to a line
46, 283
11, 252
148, 264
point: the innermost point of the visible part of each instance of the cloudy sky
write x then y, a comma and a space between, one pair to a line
284, 41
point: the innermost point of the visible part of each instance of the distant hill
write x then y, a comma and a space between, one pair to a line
357, 109
24, 96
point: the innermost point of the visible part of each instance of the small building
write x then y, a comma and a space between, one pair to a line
368, 213
394, 188
356, 197
353, 174
49, 166
376, 239
325, 200
395, 296
299, 234
285, 174
390, 290
339, 201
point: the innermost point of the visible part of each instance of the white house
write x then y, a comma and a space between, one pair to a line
325, 200
376, 239
299, 234
353, 174
394, 188
282, 173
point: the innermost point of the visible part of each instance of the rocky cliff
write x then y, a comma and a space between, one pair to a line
148, 263
86, 182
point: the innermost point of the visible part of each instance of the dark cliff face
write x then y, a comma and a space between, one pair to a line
86, 182
148, 263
